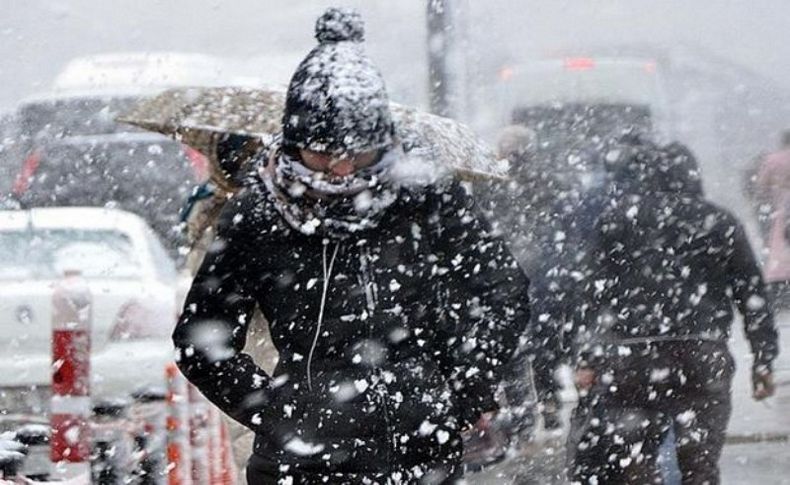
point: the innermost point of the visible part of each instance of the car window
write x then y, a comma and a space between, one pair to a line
9, 150
163, 264
70, 152
60, 118
47, 254
147, 175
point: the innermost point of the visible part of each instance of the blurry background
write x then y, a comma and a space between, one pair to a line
40, 36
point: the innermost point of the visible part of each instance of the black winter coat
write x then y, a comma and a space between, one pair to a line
667, 265
390, 340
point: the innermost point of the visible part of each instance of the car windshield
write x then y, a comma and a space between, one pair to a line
47, 253
77, 116
567, 123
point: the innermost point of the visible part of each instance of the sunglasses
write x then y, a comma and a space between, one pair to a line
339, 165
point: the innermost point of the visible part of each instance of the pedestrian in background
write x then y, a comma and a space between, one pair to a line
772, 192
526, 209
391, 305
665, 270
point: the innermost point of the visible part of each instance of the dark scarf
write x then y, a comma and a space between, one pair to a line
313, 204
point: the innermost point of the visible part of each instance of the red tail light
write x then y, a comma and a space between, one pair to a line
136, 321
199, 162
579, 64
506, 73
29, 167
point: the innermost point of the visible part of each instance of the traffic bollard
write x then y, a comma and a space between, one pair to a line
70, 405
199, 436
179, 464
36, 438
111, 457
12, 456
149, 413
228, 466
214, 445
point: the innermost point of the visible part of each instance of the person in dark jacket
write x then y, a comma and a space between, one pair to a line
525, 209
390, 303
666, 269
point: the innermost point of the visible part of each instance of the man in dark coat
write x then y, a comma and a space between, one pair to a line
390, 303
525, 209
665, 270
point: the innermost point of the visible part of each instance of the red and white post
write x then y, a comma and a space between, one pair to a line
228, 476
199, 436
179, 463
214, 445
70, 446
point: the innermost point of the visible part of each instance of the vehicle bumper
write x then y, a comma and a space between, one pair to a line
116, 370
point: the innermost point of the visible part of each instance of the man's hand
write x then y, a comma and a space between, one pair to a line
584, 378
762, 384
484, 423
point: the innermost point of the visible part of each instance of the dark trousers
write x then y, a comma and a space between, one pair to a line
618, 427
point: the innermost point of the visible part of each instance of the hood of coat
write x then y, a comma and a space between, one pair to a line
645, 167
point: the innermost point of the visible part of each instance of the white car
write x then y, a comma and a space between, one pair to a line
133, 286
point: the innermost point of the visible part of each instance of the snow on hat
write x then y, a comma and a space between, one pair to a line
337, 101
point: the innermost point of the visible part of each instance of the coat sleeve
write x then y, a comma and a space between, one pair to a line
212, 329
484, 306
751, 298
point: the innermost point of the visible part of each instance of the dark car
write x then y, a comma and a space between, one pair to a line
69, 151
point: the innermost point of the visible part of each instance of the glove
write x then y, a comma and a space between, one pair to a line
762, 384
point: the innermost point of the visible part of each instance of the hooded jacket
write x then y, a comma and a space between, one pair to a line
390, 340
666, 264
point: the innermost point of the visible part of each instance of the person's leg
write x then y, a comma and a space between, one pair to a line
700, 438
520, 396
613, 444
618, 430
702, 414
667, 458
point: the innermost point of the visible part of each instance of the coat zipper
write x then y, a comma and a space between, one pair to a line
371, 298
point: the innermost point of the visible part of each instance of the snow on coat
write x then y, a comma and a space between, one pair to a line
390, 340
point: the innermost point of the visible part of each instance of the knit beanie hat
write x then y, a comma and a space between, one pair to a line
337, 101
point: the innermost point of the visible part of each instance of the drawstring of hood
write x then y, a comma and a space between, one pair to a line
327, 275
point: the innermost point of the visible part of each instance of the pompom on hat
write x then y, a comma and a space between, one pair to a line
337, 101
340, 25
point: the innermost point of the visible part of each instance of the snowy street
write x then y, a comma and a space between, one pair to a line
741, 464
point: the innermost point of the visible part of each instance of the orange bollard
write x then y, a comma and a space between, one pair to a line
228, 476
214, 446
179, 464
199, 436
